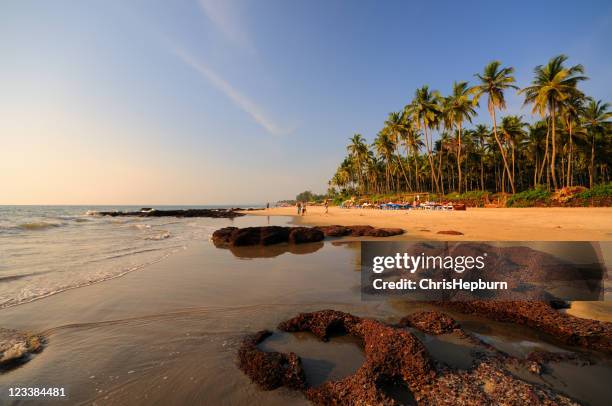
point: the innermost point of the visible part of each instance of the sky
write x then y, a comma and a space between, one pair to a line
245, 101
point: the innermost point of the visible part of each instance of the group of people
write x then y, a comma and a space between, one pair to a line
301, 208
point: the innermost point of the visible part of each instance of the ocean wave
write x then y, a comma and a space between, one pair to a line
38, 225
161, 236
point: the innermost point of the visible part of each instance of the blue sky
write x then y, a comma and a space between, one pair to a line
202, 102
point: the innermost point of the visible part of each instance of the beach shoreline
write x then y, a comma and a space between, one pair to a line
475, 224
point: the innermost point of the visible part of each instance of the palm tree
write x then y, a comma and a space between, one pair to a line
596, 121
481, 133
411, 138
572, 109
397, 128
459, 108
425, 110
383, 144
552, 85
493, 82
358, 149
512, 129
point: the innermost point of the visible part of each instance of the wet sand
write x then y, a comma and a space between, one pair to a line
169, 333
476, 224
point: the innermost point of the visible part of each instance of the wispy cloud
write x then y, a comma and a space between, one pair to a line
239, 99
227, 18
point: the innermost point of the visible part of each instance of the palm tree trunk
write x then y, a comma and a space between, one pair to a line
569, 158
545, 159
554, 148
434, 179
501, 148
592, 166
459, 156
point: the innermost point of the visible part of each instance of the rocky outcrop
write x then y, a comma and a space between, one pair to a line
431, 322
359, 231
450, 232
270, 370
541, 316
393, 357
16, 347
269, 235
148, 212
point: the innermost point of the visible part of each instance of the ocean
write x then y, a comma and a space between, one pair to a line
49, 249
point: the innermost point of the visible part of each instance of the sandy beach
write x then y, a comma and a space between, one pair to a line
476, 224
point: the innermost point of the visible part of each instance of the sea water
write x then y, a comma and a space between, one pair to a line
49, 249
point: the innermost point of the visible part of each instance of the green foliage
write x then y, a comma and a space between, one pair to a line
530, 197
308, 196
604, 190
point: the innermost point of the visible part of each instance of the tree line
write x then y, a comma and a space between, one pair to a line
429, 145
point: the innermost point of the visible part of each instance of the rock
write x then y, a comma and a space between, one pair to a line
393, 357
541, 316
385, 232
300, 235
269, 235
334, 231
450, 232
16, 347
360, 231
223, 236
270, 370
431, 322
149, 212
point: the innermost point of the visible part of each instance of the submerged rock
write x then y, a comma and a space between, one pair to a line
541, 316
16, 347
394, 358
270, 370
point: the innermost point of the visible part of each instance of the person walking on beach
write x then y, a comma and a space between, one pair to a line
326, 206
299, 207
304, 209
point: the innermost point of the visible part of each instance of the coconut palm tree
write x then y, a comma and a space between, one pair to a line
596, 120
425, 110
411, 138
384, 147
552, 85
571, 110
512, 130
358, 150
481, 133
494, 81
459, 108
396, 128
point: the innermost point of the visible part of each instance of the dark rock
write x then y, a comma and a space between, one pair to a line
223, 236
541, 316
16, 347
269, 235
450, 232
360, 231
393, 356
148, 212
334, 231
385, 232
270, 370
431, 322
300, 235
